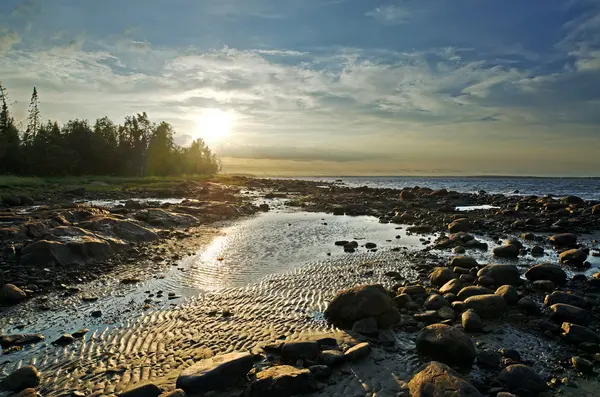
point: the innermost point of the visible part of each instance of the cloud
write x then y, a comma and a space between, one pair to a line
390, 14
8, 40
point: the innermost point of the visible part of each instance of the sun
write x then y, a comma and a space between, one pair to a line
213, 126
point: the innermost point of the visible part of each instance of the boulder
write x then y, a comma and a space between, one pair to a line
11, 295
77, 247
487, 306
452, 286
358, 352
174, 393
563, 313
441, 275
573, 257
578, 334
566, 298
331, 358
509, 293
389, 318
435, 302
302, 350
282, 381
582, 365
471, 321
147, 390
473, 290
507, 251
21, 379
11, 201
544, 285
436, 379
563, 240
406, 195
165, 219
528, 306
489, 359
127, 230
446, 344
463, 261
522, 379
459, 225
366, 326
547, 271
357, 303
215, 373
7, 341
596, 209
501, 274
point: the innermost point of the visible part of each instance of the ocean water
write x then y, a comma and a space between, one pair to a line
586, 188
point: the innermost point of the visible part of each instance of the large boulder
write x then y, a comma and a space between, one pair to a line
578, 334
547, 271
501, 274
441, 275
446, 344
215, 373
566, 298
436, 379
459, 225
283, 381
507, 251
471, 321
357, 303
522, 379
463, 261
487, 306
509, 293
21, 379
564, 239
574, 257
562, 313
11, 295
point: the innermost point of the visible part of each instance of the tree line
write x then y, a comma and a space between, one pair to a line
137, 147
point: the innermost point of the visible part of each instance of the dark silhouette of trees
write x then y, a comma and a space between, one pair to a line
138, 147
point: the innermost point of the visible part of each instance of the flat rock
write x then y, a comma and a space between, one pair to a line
215, 373
547, 271
331, 358
283, 381
446, 344
436, 379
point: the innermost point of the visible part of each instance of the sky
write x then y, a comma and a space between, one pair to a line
326, 87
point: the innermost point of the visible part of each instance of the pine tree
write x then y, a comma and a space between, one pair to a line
33, 119
9, 137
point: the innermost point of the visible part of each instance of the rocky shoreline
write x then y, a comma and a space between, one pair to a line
480, 285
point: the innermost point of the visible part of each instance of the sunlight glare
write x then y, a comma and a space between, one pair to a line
213, 126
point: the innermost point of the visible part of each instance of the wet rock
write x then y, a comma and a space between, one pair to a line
331, 358
459, 225
125, 229
501, 274
21, 379
463, 261
596, 209
488, 359
446, 314
448, 345
80, 249
509, 293
582, 365
510, 354
412, 290
215, 373
357, 303
578, 334
389, 318
80, 334
366, 326
471, 321
320, 371
547, 271
370, 246
7, 341
473, 290
427, 317
544, 285
174, 393
65, 339
574, 257
453, 286
11, 201
487, 306
437, 379
520, 379
30, 392
282, 381
96, 313
165, 219
507, 251
147, 390
562, 240
11, 295
536, 250
528, 306
566, 298
435, 302
402, 300
358, 352
406, 195
302, 350
441, 275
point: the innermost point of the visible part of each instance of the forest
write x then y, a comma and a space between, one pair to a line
138, 147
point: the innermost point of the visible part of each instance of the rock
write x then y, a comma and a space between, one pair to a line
147, 390
28, 393
11, 201
507, 251
582, 365
165, 219
566, 298
489, 359
501, 274
521, 379
80, 247
331, 358
412, 290
65, 339
370, 246
463, 261
528, 306
389, 318
358, 352
406, 195
562, 240
21, 379
511, 354
509, 293
357, 303
7, 341
547, 271
11, 295
173, 393
427, 317
436, 379
366, 326
578, 334
125, 229
282, 381
441, 275
402, 300
596, 209
435, 302
459, 225
573, 257
320, 371
448, 345
215, 373
536, 250
302, 350
544, 285
452, 286
473, 290
446, 314
487, 306
78, 192
471, 321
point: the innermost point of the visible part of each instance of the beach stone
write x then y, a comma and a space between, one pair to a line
283, 381
7, 341
402, 300
358, 352
302, 350
582, 365
21, 379
357, 303
463, 261
174, 393
389, 318
331, 358
536, 250
11, 295
578, 334
64, 339
506, 251
452, 286
215, 373
566, 298
544, 285
446, 314
30, 392
488, 359
509, 293
564, 239
573, 257
487, 306
459, 225
320, 371
473, 290
445, 344
406, 195
471, 321
366, 326
520, 379
436, 379
441, 275
435, 302
547, 271
528, 306
147, 390
501, 274
412, 290
511, 354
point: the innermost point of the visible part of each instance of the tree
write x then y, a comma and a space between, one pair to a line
33, 118
10, 156
160, 159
